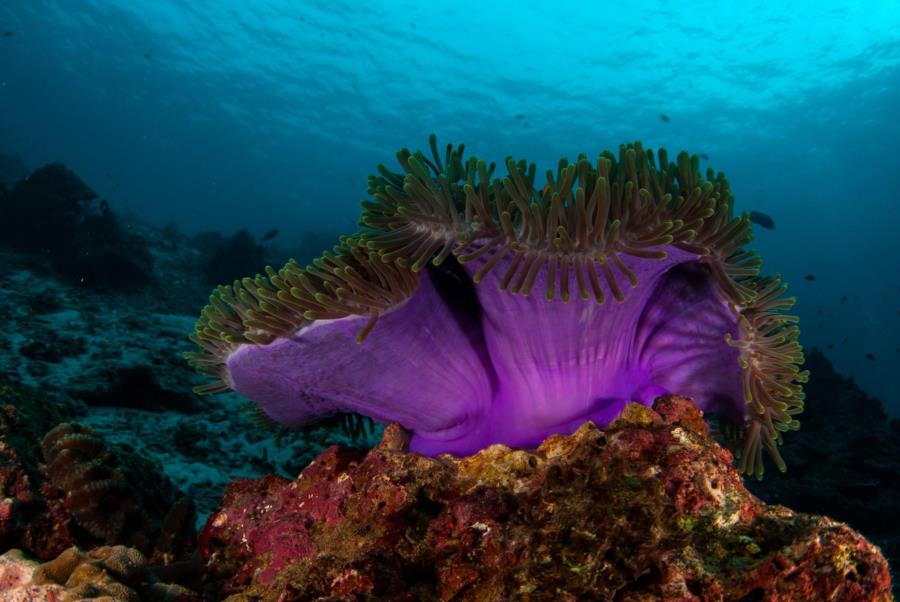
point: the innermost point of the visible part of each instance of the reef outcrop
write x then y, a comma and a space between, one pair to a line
649, 507
51, 213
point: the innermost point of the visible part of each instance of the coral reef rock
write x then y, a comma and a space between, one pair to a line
113, 493
16, 585
27, 521
649, 508
854, 485
69, 486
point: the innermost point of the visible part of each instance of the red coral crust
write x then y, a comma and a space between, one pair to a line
648, 508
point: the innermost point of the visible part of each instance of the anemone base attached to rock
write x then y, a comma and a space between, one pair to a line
474, 309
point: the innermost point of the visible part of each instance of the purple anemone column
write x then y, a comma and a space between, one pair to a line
559, 364
417, 367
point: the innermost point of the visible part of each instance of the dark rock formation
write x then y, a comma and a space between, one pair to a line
12, 169
52, 213
229, 258
137, 387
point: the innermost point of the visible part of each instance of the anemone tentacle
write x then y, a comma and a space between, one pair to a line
576, 237
351, 281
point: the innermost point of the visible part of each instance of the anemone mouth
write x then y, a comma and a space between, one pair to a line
587, 235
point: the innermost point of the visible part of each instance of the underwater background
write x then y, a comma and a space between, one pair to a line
229, 115
204, 140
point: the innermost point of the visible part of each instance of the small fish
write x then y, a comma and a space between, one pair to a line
147, 55
809, 277
845, 340
870, 357
896, 349
818, 312
704, 156
821, 325
520, 116
8, 34
761, 219
270, 234
664, 117
830, 345
844, 300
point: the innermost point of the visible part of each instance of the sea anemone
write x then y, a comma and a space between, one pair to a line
475, 310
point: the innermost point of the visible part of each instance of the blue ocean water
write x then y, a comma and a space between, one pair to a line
264, 114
